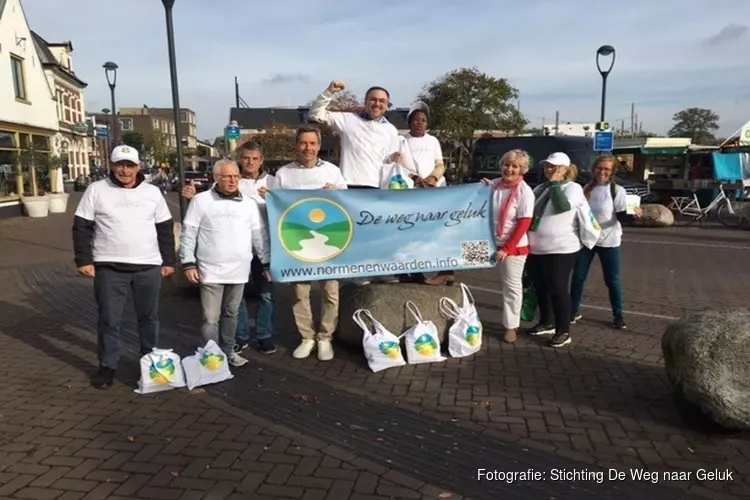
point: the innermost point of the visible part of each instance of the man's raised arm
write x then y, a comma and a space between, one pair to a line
319, 107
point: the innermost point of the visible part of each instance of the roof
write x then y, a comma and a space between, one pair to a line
260, 118
49, 60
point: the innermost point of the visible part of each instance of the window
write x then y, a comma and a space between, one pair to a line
127, 124
7, 140
19, 78
183, 116
8, 174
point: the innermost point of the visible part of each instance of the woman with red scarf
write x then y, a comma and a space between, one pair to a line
513, 204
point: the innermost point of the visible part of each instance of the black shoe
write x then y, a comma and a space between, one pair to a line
619, 323
576, 318
560, 340
239, 347
540, 329
104, 378
266, 346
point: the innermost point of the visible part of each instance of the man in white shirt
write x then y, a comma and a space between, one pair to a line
367, 138
250, 158
123, 237
310, 172
222, 231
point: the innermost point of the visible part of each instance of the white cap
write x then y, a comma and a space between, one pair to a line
418, 106
125, 153
558, 159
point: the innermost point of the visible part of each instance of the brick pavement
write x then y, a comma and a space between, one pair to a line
605, 401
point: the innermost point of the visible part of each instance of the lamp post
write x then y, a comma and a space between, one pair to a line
168, 4
105, 141
110, 71
64, 157
604, 51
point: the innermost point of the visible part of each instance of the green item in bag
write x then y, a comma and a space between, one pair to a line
530, 302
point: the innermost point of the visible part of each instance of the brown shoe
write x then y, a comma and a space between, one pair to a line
510, 335
440, 280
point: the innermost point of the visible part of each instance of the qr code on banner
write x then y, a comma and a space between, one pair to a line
475, 253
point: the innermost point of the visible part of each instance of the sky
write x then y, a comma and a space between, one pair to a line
670, 54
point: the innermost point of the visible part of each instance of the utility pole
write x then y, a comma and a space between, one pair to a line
236, 93
635, 125
557, 123
632, 120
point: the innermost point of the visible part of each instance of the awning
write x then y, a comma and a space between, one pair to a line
651, 151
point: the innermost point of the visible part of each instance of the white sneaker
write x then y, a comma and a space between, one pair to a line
236, 360
304, 349
325, 350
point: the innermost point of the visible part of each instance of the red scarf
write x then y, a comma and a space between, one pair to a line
515, 189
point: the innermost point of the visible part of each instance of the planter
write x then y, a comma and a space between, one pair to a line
69, 186
36, 206
58, 203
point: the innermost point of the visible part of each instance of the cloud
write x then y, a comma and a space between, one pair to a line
284, 78
728, 34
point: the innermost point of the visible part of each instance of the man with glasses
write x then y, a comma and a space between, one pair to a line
222, 232
123, 238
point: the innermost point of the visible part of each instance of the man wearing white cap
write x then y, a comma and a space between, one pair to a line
123, 238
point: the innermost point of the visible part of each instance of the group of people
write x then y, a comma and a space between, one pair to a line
543, 226
124, 234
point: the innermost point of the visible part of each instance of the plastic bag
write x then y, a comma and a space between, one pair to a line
394, 176
209, 365
588, 227
465, 334
382, 348
161, 370
421, 340
530, 303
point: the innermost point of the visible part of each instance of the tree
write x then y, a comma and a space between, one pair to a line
161, 152
466, 100
698, 124
220, 143
278, 143
135, 140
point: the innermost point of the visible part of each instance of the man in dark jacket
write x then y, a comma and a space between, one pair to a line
123, 238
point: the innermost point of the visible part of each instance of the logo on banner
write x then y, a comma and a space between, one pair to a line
315, 230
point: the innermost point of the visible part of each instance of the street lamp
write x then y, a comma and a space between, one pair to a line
64, 157
605, 51
110, 71
168, 4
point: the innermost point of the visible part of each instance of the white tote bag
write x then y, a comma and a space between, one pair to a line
588, 227
208, 365
465, 334
394, 176
382, 348
161, 370
421, 340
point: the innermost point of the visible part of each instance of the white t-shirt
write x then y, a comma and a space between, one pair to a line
425, 151
250, 187
227, 228
558, 232
604, 209
365, 144
523, 208
295, 176
124, 221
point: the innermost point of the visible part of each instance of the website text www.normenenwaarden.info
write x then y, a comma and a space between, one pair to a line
368, 269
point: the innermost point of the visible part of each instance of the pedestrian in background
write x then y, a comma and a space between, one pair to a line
222, 232
554, 244
123, 237
513, 205
609, 205
310, 172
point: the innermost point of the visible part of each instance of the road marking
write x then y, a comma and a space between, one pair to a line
684, 244
598, 308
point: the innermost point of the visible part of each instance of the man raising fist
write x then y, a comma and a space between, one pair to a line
367, 138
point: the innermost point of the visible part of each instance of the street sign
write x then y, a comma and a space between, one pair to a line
604, 141
81, 127
233, 133
102, 133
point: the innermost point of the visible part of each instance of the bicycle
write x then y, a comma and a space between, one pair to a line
688, 209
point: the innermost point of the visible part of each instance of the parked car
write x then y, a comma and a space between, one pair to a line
199, 179
486, 154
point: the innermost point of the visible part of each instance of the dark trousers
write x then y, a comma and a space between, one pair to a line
550, 275
111, 288
610, 258
260, 290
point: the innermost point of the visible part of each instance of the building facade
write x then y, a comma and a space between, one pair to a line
72, 143
28, 112
188, 126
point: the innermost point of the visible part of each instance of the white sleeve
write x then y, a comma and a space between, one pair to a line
270, 181
162, 210
621, 199
339, 179
574, 193
259, 234
319, 112
525, 209
87, 206
194, 213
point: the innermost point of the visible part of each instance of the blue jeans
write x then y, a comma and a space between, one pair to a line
610, 258
261, 290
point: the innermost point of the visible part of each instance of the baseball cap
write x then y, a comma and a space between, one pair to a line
125, 153
418, 106
558, 159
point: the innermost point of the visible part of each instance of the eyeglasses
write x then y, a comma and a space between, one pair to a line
131, 166
229, 177
378, 101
